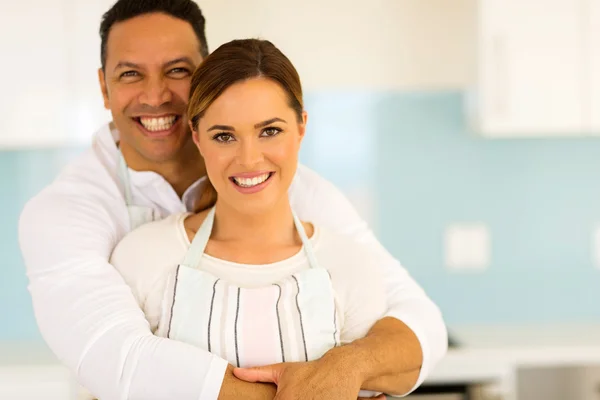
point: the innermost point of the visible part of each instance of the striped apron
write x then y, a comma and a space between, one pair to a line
294, 319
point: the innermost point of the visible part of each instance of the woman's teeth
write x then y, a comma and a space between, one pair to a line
249, 182
158, 124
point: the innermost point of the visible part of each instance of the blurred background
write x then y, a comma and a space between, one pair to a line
467, 133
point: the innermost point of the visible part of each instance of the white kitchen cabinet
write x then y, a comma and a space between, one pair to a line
33, 73
86, 105
50, 55
531, 60
593, 68
29, 370
587, 385
36, 382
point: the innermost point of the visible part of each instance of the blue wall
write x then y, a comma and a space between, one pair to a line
413, 152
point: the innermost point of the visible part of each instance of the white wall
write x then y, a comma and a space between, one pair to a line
382, 44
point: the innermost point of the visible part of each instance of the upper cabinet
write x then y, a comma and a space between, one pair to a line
34, 74
533, 68
50, 91
592, 71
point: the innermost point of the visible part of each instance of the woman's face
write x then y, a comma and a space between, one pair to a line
250, 138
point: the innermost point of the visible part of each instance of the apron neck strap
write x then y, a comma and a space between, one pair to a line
194, 254
308, 249
196, 250
123, 174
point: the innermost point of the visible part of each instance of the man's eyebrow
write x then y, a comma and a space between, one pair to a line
126, 64
129, 64
186, 60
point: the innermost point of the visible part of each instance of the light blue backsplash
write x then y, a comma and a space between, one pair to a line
413, 153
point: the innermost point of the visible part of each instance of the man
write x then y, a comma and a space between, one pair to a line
87, 314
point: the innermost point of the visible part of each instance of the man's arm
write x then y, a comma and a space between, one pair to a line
388, 359
422, 332
88, 315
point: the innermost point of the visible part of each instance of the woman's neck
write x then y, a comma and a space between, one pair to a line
274, 226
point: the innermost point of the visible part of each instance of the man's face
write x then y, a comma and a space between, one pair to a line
149, 63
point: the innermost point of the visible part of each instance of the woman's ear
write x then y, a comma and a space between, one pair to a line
195, 136
194, 133
302, 125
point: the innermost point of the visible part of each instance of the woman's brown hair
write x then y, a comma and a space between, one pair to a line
234, 62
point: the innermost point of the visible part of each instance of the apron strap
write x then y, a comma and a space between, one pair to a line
194, 254
308, 249
196, 250
123, 174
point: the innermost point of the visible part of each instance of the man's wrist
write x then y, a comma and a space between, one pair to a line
352, 360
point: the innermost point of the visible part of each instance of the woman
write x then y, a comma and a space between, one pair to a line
243, 277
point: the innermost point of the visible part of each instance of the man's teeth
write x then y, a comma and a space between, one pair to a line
249, 182
158, 124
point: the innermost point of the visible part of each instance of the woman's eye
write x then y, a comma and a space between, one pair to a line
268, 132
223, 137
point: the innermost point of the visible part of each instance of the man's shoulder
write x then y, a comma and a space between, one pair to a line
84, 180
309, 186
342, 247
307, 178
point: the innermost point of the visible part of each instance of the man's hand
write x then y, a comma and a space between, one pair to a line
320, 379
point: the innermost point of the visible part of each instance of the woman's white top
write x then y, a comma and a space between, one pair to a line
150, 254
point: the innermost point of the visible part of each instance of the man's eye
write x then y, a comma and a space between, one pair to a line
179, 72
128, 74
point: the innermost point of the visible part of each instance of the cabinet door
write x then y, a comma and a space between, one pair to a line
33, 73
36, 382
531, 59
49, 80
593, 68
86, 106
587, 387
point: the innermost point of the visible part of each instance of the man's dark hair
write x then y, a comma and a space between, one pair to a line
122, 10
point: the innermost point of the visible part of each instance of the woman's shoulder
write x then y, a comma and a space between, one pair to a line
154, 239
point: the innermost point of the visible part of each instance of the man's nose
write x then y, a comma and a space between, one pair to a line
156, 92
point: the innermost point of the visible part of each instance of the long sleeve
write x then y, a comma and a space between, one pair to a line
317, 200
88, 315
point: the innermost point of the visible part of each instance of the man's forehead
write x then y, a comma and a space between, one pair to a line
152, 39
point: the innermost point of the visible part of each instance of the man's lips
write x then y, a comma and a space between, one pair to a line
159, 125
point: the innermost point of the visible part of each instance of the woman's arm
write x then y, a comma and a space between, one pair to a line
234, 388
317, 200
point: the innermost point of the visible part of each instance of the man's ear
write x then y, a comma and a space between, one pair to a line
103, 88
